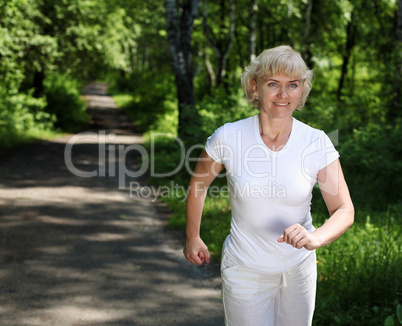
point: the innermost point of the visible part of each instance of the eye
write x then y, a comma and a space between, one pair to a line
271, 84
294, 85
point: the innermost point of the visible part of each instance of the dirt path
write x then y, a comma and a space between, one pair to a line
80, 251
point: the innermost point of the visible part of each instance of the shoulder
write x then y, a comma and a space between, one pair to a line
224, 137
312, 139
307, 134
306, 129
316, 141
229, 129
241, 124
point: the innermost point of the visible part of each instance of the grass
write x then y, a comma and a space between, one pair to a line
359, 278
15, 140
149, 116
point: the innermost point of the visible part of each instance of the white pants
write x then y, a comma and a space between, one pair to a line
251, 298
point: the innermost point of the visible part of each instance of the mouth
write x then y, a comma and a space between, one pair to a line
281, 104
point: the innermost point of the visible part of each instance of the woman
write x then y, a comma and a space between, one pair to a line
272, 162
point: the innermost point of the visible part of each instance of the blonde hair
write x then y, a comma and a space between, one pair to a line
280, 60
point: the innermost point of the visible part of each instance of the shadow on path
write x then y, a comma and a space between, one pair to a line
78, 250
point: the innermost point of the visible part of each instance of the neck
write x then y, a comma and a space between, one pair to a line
275, 128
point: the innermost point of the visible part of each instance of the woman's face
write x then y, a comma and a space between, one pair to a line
279, 95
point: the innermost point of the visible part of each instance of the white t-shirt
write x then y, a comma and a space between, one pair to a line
269, 191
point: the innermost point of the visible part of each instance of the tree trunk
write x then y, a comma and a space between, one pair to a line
229, 41
38, 80
290, 8
350, 43
252, 27
221, 47
396, 107
306, 40
210, 70
179, 36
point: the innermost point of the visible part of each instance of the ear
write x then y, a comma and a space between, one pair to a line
255, 88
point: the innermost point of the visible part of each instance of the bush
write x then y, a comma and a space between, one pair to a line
151, 101
372, 165
22, 118
64, 101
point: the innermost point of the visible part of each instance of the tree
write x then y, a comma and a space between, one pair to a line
221, 45
307, 39
252, 26
396, 105
179, 37
349, 45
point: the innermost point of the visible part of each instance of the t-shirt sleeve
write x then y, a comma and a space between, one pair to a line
327, 152
215, 145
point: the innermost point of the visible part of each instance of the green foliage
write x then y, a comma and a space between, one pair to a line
168, 155
358, 284
223, 106
22, 117
64, 101
80, 38
373, 169
151, 106
22, 45
89, 36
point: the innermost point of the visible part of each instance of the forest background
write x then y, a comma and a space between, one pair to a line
175, 68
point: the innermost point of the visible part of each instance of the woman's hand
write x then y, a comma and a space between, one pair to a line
195, 251
298, 237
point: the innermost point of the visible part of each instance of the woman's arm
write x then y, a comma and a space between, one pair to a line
205, 172
336, 195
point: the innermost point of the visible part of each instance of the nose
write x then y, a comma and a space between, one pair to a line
283, 92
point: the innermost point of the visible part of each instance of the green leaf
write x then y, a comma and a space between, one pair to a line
399, 313
389, 321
